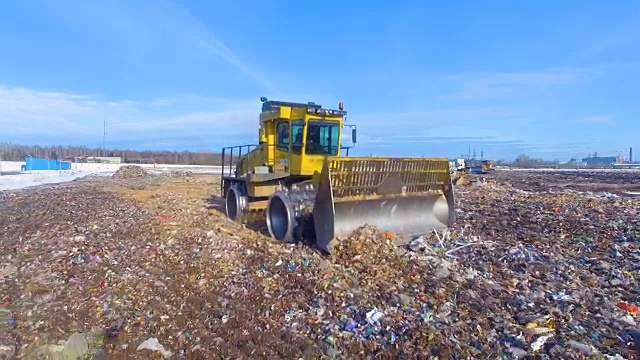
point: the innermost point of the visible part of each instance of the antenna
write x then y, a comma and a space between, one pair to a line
104, 135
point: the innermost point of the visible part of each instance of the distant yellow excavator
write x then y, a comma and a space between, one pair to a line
309, 191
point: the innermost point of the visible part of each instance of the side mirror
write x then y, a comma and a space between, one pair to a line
353, 135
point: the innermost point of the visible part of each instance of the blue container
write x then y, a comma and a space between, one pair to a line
46, 164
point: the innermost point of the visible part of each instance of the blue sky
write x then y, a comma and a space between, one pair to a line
419, 78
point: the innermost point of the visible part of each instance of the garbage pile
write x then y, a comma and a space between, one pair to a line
130, 172
520, 274
616, 182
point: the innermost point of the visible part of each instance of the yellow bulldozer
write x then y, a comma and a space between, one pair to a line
487, 166
301, 176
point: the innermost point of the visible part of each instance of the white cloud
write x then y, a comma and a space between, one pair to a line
196, 122
442, 125
399, 140
502, 85
141, 30
59, 117
596, 120
621, 35
63, 116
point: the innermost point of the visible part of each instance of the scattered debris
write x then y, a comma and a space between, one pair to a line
154, 345
98, 268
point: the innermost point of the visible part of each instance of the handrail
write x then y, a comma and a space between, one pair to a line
241, 150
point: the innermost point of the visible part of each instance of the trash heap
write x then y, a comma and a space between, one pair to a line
520, 274
130, 172
602, 181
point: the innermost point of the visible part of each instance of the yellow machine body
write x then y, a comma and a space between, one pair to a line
285, 139
487, 165
310, 191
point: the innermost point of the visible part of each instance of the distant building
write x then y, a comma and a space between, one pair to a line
626, 165
104, 159
600, 160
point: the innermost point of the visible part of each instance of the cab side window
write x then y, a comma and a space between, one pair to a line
282, 137
297, 131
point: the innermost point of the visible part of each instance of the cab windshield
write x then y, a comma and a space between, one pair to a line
322, 138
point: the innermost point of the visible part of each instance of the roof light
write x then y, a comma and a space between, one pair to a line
341, 106
321, 111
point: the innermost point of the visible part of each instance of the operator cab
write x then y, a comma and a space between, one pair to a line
311, 130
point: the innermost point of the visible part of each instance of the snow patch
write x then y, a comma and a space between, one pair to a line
36, 178
26, 179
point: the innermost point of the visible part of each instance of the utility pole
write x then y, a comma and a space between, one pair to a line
481, 154
104, 137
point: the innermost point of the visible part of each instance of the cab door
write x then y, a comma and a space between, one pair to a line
298, 134
283, 143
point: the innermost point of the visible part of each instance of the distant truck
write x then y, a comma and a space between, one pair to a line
473, 166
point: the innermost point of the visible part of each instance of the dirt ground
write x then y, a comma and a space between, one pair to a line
124, 262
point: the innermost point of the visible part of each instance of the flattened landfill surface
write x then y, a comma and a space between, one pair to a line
143, 266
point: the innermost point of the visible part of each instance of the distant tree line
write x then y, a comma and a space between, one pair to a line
15, 152
525, 161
